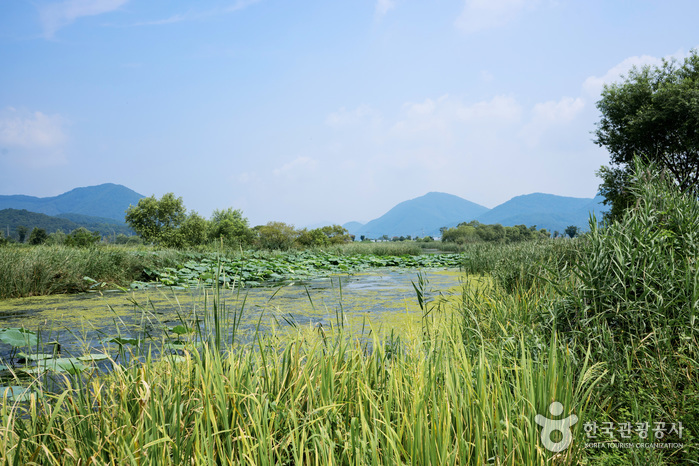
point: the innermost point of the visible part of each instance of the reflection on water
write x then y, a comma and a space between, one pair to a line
384, 300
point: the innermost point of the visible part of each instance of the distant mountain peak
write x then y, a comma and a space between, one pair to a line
108, 200
421, 216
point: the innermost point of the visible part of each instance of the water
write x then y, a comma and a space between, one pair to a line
381, 300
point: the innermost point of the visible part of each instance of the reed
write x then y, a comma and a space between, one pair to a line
310, 397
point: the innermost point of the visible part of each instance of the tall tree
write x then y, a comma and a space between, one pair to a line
654, 115
158, 220
230, 226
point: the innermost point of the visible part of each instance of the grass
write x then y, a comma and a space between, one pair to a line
606, 325
42, 270
324, 397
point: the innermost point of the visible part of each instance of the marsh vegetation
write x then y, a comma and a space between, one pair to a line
604, 324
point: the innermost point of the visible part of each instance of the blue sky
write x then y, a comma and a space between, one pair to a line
318, 111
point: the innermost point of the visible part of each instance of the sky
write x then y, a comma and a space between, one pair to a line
320, 111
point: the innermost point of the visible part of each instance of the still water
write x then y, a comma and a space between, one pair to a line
382, 300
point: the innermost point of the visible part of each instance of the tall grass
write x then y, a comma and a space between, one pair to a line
520, 265
634, 299
42, 270
318, 397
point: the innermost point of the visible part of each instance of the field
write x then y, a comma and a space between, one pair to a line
600, 332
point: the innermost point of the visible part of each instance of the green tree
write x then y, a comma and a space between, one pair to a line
57, 237
82, 238
230, 227
158, 221
22, 233
654, 115
276, 235
572, 231
37, 236
194, 229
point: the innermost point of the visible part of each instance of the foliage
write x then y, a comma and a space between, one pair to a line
43, 270
325, 236
10, 219
194, 229
21, 233
253, 269
276, 236
474, 231
82, 238
158, 220
572, 231
635, 299
653, 114
320, 397
37, 236
230, 227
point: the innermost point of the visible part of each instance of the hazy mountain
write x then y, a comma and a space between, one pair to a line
422, 216
427, 214
106, 200
548, 211
352, 226
10, 219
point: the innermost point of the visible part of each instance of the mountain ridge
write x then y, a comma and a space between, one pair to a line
542, 210
107, 200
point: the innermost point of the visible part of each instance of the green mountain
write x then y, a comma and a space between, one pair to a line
422, 216
548, 211
106, 200
10, 219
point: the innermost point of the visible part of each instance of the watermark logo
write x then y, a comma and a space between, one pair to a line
549, 426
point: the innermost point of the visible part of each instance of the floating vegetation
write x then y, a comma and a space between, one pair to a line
258, 269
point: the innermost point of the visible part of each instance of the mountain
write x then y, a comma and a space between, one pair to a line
10, 219
548, 211
106, 200
421, 216
425, 215
352, 226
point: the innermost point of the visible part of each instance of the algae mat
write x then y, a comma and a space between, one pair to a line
382, 300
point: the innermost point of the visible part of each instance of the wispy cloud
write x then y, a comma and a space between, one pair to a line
384, 6
479, 15
32, 138
192, 15
548, 115
594, 84
55, 16
300, 165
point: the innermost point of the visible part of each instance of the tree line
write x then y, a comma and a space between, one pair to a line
166, 222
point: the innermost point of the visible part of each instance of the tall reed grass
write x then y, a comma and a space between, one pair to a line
42, 270
313, 398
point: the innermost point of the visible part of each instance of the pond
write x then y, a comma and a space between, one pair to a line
379, 301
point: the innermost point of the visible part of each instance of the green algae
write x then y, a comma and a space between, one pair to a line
379, 301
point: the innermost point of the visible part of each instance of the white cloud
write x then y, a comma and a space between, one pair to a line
447, 115
383, 6
347, 118
32, 138
547, 115
193, 14
54, 16
594, 84
301, 165
479, 15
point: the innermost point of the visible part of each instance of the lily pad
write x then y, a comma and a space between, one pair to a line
93, 357
18, 337
70, 365
181, 330
17, 393
34, 356
124, 341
